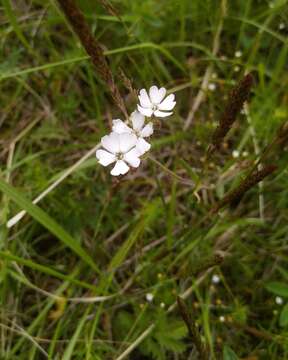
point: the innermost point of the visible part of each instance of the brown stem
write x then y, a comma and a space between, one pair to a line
201, 266
233, 197
192, 329
235, 103
93, 49
128, 84
261, 334
206, 264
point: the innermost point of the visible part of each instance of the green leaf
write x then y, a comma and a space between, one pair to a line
44, 219
69, 351
278, 288
149, 214
151, 348
122, 324
193, 175
44, 269
283, 320
13, 20
170, 333
171, 344
120, 50
229, 354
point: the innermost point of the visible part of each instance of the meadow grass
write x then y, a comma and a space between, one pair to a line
76, 269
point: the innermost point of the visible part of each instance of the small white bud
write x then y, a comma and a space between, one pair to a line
212, 87
149, 297
235, 154
278, 300
238, 54
215, 279
236, 68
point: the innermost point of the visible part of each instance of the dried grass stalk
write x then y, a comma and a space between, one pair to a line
192, 329
93, 49
235, 103
234, 197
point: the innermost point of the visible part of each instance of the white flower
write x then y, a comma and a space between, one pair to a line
212, 87
238, 54
222, 318
155, 103
121, 149
149, 297
215, 279
235, 154
139, 129
278, 300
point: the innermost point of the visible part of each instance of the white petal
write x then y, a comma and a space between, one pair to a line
105, 158
111, 142
137, 120
147, 130
144, 111
120, 127
162, 113
168, 103
120, 168
157, 95
144, 99
127, 141
142, 146
132, 157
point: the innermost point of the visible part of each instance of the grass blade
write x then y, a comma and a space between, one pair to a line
44, 269
149, 213
69, 351
44, 219
13, 20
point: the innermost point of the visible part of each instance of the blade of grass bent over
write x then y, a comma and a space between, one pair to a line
50, 224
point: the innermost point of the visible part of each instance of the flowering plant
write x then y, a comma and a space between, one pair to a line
126, 143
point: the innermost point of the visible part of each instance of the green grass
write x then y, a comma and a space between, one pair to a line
93, 235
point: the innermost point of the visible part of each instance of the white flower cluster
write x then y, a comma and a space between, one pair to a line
125, 145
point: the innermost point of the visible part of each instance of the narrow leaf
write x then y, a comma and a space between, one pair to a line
149, 213
229, 354
44, 219
278, 288
283, 321
69, 351
44, 269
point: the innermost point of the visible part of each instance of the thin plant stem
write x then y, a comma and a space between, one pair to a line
93, 49
200, 97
